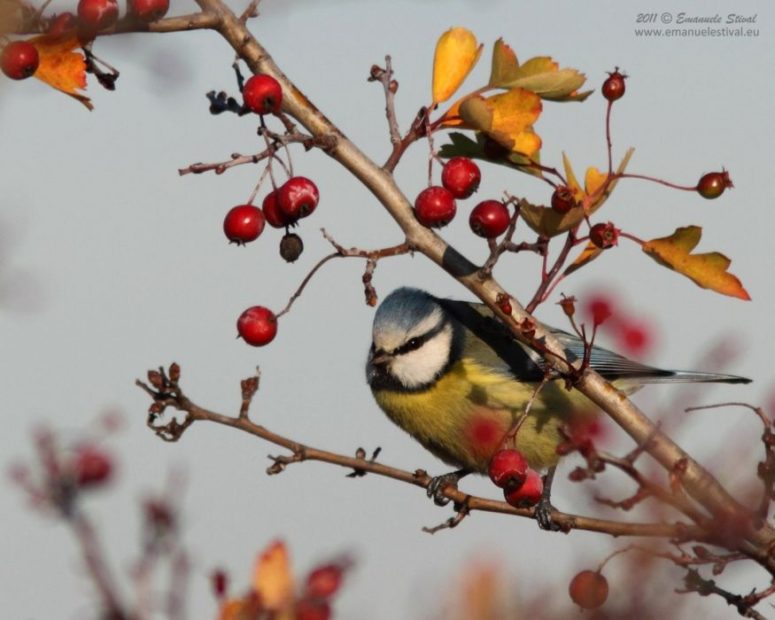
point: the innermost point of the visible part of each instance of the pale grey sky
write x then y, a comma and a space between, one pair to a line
125, 267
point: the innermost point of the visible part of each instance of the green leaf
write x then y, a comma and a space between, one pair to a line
504, 65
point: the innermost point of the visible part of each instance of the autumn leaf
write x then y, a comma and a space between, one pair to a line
505, 66
60, 67
456, 54
590, 253
708, 270
476, 149
546, 221
507, 118
273, 579
540, 75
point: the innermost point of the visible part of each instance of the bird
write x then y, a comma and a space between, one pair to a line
452, 375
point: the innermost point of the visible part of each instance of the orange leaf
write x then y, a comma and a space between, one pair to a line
590, 253
504, 64
707, 270
594, 180
456, 54
272, 578
507, 118
60, 67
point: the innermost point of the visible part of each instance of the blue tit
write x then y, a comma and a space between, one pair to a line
452, 375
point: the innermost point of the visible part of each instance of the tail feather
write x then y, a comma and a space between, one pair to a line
684, 376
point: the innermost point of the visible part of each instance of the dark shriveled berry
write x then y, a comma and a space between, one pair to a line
713, 184
563, 200
604, 236
291, 247
614, 87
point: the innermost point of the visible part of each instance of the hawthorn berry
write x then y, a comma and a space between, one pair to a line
614, 87
312, 609
297, 198
92, 467
489, 219
435, 207
220, 583
243, 223
149, 10
563, 199
604, 235
272, 213
588, 589
324, 581
19, 60
508, 468
61, 24
262, 94
713, 184
257, 326
527, 494
291, 247
96, 15
461, 176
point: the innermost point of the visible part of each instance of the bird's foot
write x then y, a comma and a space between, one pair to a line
543, 514
438, 484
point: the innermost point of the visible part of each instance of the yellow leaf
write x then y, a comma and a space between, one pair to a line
504, 64
60, 67
273, 579
590, 253
546, 221
571, 179
240, 608
507, 118
456, 54
543, 76
594, 180
708, 270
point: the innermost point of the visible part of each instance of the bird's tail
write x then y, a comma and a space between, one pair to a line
688, 376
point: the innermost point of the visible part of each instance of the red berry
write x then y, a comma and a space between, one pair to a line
435, 207
262, 94
297, 198
614, 87
508, 468
604, 236
312, 609
600, 308
324, 581
19, 60
713, 184
97, 14
461, 176
62, 24
149, 10
257, 326
243, 223
563, 199
220, 582
489, 219
528, 494
272, 213
588, 589
91, 466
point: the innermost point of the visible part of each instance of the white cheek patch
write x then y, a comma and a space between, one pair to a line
422, 366
391, 339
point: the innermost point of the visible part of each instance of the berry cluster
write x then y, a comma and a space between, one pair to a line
521, 485
435, 206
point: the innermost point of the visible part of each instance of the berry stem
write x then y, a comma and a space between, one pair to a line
628, 175
608, 137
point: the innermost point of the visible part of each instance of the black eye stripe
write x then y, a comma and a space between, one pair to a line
418, 341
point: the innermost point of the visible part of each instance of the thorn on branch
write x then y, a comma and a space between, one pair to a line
249, 388
360, 453
165, 392
279, 463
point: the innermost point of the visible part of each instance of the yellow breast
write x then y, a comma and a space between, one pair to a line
464, 417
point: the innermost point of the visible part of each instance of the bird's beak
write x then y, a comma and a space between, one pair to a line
379, 358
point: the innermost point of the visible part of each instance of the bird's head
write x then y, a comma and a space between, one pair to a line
413, 341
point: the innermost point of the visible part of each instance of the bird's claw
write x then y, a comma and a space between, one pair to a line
439, 484
543, 514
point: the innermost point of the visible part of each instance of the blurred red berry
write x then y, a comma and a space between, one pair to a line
97, 15
312, 609
220, 582
91, 466
19, 60
272, 213
243, 223
489, 219
435, 207
600, 308
61, 24
461, 176
149, 10
588, 589
614, 86
604, 236
528, 494
634, 338
257, 326
297, 198
262, 94
508, 468
563, 199
713, 184
324, 581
